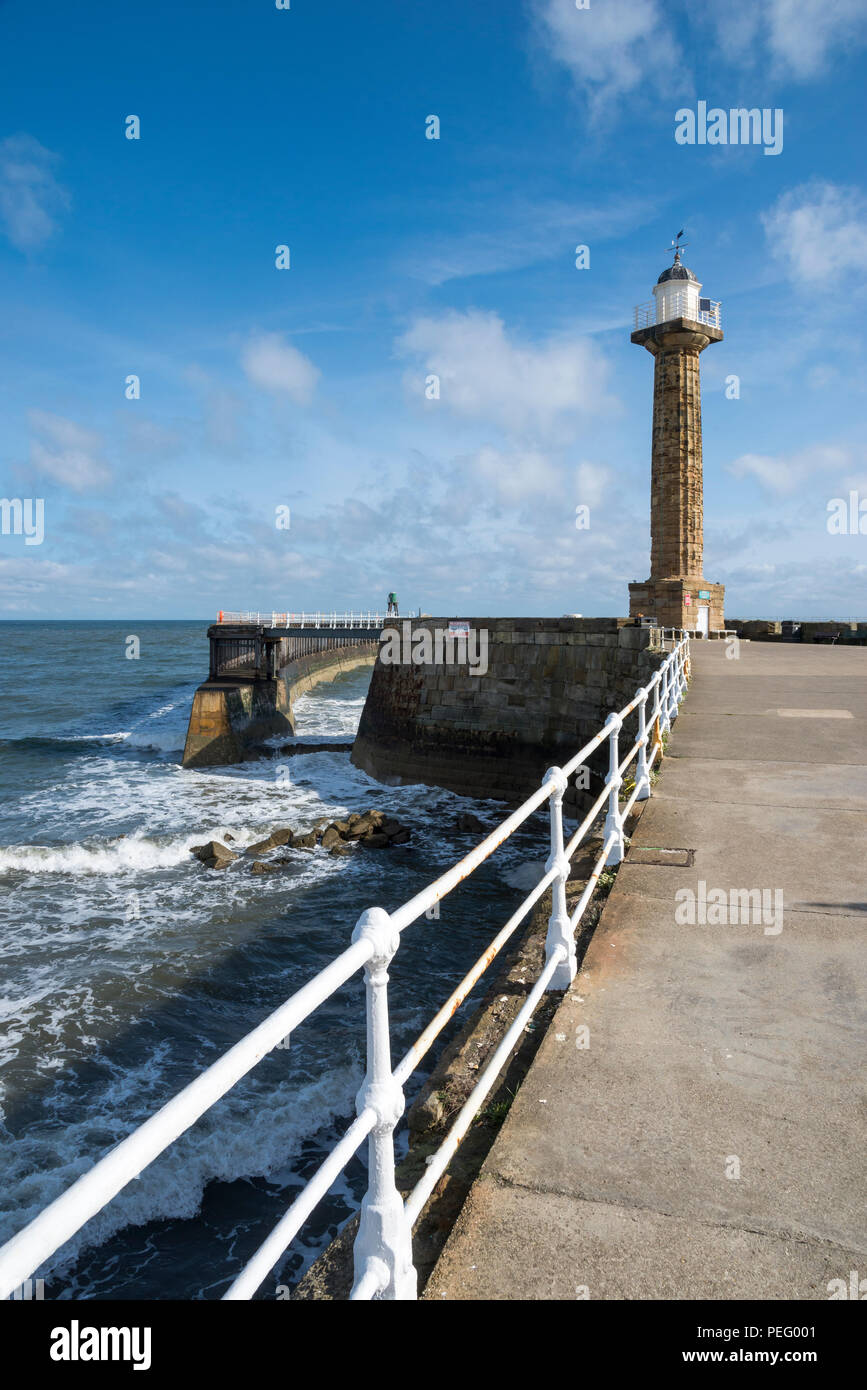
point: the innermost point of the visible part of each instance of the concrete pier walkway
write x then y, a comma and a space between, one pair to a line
709, 1142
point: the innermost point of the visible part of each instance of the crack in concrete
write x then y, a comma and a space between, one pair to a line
800, 1238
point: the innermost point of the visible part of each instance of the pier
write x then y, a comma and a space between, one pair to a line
707, 1141
259, 663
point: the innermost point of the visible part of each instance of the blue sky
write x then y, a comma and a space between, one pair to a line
304, 387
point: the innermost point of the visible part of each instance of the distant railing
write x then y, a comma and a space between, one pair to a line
676, 634
679, 305
383, 1245
324, 620
263, 656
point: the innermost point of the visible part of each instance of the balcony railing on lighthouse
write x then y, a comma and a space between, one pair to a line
679, 305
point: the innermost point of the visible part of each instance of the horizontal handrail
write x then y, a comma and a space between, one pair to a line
383, 1249
95, 1189
472, 1105
313, 620
425, 1041
289, 1225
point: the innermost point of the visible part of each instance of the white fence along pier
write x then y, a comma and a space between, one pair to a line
383, 1246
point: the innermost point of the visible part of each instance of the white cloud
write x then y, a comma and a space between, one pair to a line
803, 34
512, 478
591, 483
29, 193
614, 47
486, 375
275, 365
818, 231
787, 38
610, 48
783, 474
67, 452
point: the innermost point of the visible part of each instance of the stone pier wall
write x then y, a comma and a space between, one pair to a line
233, 714
550, 684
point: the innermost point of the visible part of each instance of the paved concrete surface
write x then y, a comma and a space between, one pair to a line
712, 1048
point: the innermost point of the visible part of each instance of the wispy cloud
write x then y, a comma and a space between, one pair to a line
512, 477
793, 38
611, 49
275, 365
67, 452
819, 230
500, 235
486, 374
30, 196
784, 474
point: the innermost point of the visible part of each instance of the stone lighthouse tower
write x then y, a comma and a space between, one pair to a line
676, 327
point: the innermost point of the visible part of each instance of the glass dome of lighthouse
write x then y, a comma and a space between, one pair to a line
677, 293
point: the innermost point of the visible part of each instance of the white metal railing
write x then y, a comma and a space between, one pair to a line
320, 620
676, 634
679, 305
383, 1245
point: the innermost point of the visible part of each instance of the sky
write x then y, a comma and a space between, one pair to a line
310, 387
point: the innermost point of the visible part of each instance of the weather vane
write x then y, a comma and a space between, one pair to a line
676, 246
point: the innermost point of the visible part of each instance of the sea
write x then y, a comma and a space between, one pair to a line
127, 967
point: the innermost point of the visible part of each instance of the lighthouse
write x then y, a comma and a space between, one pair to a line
676, 326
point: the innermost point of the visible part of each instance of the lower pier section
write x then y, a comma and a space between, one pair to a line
232, 714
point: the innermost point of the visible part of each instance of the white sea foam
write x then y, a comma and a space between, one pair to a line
253, 1132
131, 854
110, 920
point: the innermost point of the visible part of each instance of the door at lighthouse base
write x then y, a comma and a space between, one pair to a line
702, 616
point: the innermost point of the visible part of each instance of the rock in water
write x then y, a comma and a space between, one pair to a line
213, 855
363, 825
374, 839
260, 847
277, 837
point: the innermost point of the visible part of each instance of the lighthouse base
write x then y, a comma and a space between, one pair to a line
689, 603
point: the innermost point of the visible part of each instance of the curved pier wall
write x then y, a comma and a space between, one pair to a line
550, 684
232, 714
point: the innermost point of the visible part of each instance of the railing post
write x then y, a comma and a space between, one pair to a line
384, 1234
642, 772
664, 720
560, 938
655, 685
614, 820
672, 688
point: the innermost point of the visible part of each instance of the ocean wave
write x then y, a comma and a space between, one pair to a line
34, 742
131, 853
80, 970
164, 730
250, 1133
